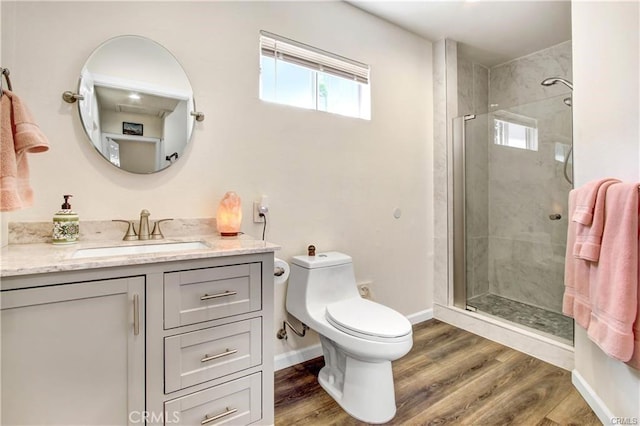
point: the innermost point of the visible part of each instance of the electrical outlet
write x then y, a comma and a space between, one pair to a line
365, 290
261, 206
256, 213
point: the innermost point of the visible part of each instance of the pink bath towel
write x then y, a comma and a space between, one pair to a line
614, 278
586, 201
576, 302
19, 135
635, 358
589, 237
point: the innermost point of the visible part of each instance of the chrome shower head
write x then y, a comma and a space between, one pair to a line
553, 80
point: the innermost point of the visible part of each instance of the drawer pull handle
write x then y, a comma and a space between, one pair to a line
223, 354
215, 296
208, 419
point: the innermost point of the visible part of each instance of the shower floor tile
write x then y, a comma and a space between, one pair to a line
523, 314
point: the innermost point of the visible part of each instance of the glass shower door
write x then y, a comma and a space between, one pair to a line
510, 168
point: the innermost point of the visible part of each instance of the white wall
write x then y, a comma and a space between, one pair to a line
4, 238
606, 57
111, 122
332, 181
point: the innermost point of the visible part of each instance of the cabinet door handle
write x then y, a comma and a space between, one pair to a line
215, 296
220, 355
208, 419
136, 314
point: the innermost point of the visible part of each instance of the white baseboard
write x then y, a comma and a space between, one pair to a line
421, 316
597, 405
298, 356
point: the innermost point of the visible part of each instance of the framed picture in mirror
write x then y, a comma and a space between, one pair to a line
134, 129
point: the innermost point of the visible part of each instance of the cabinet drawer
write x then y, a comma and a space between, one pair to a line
237, 402
192, 358
205, 294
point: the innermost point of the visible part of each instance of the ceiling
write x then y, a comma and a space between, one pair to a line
119, 100
490, 32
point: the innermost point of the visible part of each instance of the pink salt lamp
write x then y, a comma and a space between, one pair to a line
229, 215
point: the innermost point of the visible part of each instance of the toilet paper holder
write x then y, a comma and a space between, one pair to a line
280, 271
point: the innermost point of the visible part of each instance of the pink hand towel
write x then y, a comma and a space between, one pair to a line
635, 358
589, 237
576, 301
586, 201
614, 279
19, 135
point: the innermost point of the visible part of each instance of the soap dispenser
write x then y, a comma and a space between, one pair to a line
66, 224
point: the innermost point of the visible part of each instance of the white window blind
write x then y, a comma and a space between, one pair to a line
291, 51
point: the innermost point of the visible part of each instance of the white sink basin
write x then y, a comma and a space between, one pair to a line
138, 249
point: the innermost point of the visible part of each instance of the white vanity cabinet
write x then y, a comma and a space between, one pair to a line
176, 342
73, 353
210, 326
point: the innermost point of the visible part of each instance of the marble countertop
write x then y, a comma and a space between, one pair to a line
36, 258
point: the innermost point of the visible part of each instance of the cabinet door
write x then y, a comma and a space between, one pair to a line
74, 354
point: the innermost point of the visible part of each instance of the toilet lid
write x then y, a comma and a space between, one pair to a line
367, 319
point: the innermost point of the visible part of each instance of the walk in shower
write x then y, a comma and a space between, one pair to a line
512, 176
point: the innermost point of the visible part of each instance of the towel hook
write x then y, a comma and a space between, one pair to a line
5, 72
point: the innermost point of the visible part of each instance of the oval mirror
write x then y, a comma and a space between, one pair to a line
136, 104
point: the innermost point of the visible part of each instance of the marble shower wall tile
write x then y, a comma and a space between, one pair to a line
526, 248
477, 177
477, 268
465, 86
510, 192
518, 82
440, 180
473, 92
477, 207
473, 87
480, 89
527, 272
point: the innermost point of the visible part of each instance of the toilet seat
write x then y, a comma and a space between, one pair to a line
368, 320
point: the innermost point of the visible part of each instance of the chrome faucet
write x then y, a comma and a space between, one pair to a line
143, 229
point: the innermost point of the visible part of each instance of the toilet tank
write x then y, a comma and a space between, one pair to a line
316, 281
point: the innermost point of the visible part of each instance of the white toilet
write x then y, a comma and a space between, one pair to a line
359, 337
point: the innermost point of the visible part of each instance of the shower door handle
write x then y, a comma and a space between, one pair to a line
555, 216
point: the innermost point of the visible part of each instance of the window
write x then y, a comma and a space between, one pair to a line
563, 152
298, 75
516, 131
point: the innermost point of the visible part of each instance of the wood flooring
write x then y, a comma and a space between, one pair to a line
450, 376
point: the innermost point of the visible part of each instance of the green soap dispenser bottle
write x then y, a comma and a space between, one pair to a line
66, 224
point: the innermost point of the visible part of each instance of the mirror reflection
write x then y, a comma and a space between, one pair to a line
136, 104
